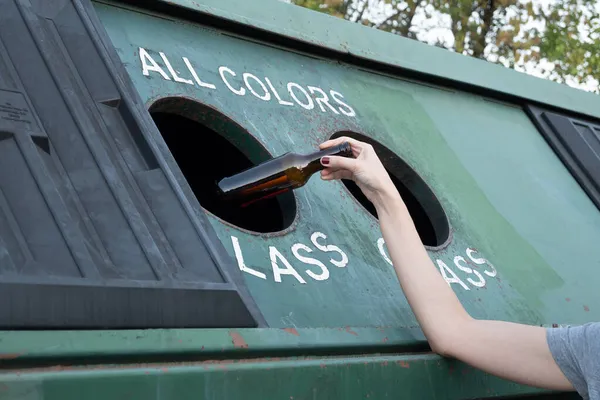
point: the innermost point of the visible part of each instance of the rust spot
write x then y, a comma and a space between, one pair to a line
567, 299
202, 348
403, 364
9, 356
237, 340
586, 308
350, 331
385, 363
384, 340
164, 369
323, 365
293, 331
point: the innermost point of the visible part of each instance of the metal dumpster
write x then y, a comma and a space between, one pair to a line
123, 276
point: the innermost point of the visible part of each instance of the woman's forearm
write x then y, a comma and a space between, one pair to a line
434, 303
513, 351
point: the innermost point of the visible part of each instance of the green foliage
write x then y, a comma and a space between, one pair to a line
561, 39
572, 40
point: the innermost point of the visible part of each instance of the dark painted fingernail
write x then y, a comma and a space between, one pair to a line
325, 160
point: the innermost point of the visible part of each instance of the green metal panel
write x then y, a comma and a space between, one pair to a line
379, 377
506, 194
357, 44
485, 160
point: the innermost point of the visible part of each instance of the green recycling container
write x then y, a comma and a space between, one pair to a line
122, 275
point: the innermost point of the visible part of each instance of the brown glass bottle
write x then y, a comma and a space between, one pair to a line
276, 176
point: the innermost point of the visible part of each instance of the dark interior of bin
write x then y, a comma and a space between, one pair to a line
209, 146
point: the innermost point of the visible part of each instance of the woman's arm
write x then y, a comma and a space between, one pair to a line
516, 352
513, 351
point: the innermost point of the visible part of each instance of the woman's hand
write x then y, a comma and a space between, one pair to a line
511, 351
366, 169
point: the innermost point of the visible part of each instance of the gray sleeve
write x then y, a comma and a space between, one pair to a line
576, 350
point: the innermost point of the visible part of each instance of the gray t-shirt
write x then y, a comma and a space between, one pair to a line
576, 350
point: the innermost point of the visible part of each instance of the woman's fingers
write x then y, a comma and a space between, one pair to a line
357, 146
337, 167
341, 139
333, 175
337, 162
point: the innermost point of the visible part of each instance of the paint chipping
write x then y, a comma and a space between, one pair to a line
9, 356
350, 331
237, 340
293, 331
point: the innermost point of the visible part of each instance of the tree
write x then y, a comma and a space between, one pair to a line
559, 39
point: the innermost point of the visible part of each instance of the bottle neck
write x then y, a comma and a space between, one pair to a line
314, 159
343, 149
310, 164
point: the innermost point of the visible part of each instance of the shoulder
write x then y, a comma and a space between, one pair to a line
575, 349
579, 335
580, 341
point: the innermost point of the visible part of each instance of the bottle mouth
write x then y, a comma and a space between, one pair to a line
345, 149
348, 148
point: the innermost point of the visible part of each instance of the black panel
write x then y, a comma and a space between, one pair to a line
98, 228
577, 144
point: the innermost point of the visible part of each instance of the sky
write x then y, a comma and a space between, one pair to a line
437, 28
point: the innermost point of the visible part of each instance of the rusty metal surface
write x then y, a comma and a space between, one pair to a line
523, 241
361, 377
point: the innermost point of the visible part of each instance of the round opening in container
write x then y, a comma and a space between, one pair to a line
425, 209
209, 146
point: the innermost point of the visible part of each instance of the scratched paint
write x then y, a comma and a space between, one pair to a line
506, 259
357, 377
